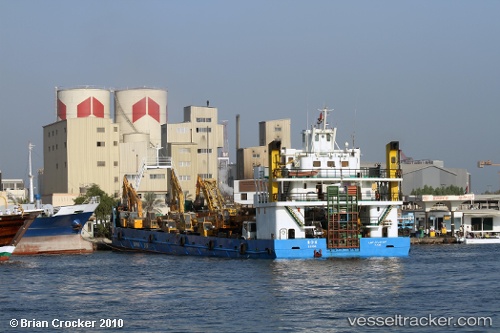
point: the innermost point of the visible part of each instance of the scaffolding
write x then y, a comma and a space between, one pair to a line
343, 218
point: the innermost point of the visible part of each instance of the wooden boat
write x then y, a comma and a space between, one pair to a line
12, 228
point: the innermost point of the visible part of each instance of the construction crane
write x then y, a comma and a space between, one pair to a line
130, 198
215, 201
481, 164
177, 198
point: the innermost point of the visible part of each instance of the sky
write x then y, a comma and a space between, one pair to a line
425, 73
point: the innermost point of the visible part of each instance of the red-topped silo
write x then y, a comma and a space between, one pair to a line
141, 111
83, 102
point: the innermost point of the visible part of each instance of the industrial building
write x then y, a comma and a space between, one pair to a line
89, 144
193, 146
419, 173
248, 158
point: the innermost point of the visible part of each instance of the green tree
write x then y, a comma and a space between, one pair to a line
429, 190
104, 210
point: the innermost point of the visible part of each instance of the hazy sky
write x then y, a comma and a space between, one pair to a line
426, 73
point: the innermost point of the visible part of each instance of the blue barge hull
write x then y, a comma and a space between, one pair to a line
195, 245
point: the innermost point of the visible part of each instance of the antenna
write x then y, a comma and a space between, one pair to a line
30, 148
354, 131
355, 116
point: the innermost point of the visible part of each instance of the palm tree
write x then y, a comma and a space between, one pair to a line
151, 203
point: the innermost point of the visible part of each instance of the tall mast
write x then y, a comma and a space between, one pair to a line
32, 198
323, 116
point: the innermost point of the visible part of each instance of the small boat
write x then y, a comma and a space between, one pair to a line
318, 202
485, 240
12, 229
475, 237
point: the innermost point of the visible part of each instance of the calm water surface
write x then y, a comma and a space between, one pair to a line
159, 293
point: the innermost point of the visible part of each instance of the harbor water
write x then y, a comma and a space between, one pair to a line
445, 288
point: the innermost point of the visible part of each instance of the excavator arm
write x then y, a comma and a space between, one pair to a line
177, 201
131, 198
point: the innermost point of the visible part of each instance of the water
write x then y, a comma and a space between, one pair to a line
159, 293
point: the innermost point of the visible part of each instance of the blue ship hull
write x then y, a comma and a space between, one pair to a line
196, 245
57, 225
59, 233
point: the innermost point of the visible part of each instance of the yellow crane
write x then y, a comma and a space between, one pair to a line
177, 197
481, 164
215, 201
134, 205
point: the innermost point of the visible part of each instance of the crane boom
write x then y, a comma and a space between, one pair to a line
481, 164
177, 201
129, 195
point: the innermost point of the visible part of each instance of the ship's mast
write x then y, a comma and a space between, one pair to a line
30, 148
323, 115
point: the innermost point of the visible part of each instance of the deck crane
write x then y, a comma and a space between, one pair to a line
481, 164
177, 199
131, 199
215, 202
178, 220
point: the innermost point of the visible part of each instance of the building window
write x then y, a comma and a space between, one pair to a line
345, 164
330, 164
185, 150
115, 163
256, 155
157, 176
101, 144
203, 120
49, 134
101, 163
116, 179
115, 129
205, 175
277, 129
115, 143
185, 163
57, 165
203, 130
204, 151
100, 129
184, 177
243, 196
317, 164
181, 129
65, 145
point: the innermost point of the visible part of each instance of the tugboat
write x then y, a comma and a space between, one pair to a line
317, 202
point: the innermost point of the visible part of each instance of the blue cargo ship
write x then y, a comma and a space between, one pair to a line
58, 230
317, 202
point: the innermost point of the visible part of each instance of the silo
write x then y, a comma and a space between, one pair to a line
83, 102
141, 111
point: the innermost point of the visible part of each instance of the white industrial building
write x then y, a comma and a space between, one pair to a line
89, 144
193, 146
